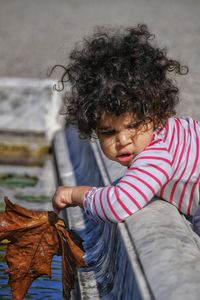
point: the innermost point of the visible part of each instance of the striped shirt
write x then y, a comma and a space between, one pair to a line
168, 168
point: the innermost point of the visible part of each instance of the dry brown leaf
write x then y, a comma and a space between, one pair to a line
35, 237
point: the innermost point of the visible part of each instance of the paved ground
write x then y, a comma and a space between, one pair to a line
34, 35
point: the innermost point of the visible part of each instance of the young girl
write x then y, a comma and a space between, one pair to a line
122, 94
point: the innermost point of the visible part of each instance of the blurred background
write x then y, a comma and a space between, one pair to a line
35, 35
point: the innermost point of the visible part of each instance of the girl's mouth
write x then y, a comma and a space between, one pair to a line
124, 158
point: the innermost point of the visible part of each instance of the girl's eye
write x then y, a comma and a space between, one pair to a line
134, 125
107, 132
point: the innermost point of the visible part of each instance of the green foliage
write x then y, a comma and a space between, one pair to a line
11, 180
39, 198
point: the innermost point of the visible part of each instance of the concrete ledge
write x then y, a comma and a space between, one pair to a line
167, 251
86, 287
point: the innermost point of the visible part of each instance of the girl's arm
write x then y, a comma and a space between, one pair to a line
146, 177
139, 185
69, 196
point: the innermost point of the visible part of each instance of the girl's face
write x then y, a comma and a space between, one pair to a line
122, 138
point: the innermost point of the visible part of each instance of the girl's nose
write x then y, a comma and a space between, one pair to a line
124, 138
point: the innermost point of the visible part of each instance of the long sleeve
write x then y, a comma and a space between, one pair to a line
148, 173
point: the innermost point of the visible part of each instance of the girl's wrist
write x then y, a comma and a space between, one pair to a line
78, 194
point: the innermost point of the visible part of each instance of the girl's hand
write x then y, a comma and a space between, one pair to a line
68, 196
62, 198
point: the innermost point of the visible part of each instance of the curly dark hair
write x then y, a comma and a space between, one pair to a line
118, 71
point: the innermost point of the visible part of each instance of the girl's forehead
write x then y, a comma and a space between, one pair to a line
110, 120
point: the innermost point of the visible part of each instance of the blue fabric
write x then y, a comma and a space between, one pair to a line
196, 221
196, 217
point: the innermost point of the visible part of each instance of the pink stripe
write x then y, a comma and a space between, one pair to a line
122, 204
181, 155
167, 131
178, 138
111, 208
171, 140
177, 167
194, 166
95, 208
178, 120
196, 161
181, 175
155, 142
130, 197
101, 204
137, 189
154, 157
149, 174
144, 182
192, 195
160, 129
155, 149
160, 170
